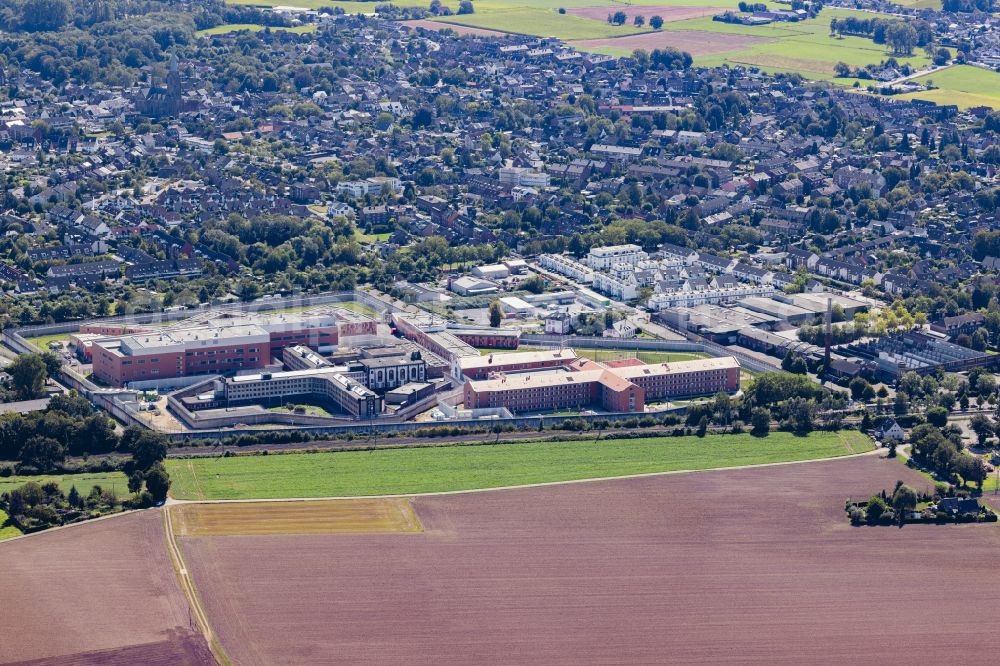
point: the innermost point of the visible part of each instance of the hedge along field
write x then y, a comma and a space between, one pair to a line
84, 482
437, 469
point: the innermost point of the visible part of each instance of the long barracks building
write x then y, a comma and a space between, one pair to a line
615, 387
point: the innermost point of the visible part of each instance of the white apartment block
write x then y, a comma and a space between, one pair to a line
622, 289
603, 258
562, 265
681, 298
372, 186
522, 177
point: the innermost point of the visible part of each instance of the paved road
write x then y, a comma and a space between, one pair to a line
925, 72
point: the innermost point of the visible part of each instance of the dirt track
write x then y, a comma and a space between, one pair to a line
99, 593
755, 565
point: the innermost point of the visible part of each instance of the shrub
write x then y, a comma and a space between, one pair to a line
876, 509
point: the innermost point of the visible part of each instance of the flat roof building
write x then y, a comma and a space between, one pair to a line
481, 367
325, 385
615, 387
218, 343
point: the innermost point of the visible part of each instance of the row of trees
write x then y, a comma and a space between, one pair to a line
884, 322
619, 18
941, 451
884, 508
40, 441
793, 401
902, 37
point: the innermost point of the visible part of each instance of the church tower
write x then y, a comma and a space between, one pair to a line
174, 95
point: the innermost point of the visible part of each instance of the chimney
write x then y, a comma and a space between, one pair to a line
829, 331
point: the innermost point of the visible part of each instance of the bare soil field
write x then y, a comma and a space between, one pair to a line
741, 566
695, 42
311, 517
667, 12
98, 593
459, 29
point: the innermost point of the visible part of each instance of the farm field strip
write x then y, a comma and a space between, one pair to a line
616, 572
100, 592
460, 468
190, 591
307, 517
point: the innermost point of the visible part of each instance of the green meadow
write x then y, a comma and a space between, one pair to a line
251, 27
435, 469
963, 85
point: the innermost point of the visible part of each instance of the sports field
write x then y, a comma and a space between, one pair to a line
419, 470
359, 516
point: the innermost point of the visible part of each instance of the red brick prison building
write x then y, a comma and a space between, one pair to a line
216, 345
481, 367
616, 387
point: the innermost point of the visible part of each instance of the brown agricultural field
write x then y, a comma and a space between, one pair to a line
667, 12
740, 566
98, 593
695, 42
309, 517
459, 29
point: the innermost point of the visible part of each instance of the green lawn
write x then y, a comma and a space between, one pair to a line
252, 27
7, 531
83, 482
963, 85
368, 239
310, 410
42, 341
360, 308
394, 471
644, 356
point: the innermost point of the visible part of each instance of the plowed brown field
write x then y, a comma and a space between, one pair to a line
666, 12
742, 566
99, 593
695, 42
311, 517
